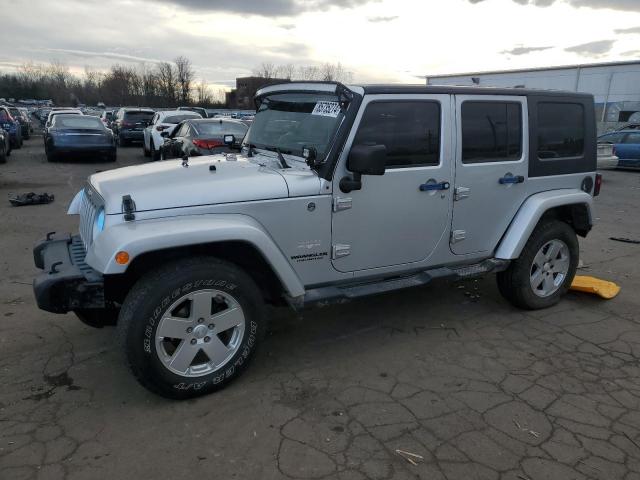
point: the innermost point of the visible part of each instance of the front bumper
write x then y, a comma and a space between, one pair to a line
67, 283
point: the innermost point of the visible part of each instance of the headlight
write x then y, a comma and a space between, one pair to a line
98, 225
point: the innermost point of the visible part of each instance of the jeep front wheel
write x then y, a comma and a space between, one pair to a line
543, 273
191, 327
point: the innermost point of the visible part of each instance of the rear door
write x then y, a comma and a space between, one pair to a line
491, 169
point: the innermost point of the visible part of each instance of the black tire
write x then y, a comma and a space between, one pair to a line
113, 156
145, 152
155, 154
123, 142
154, 293
52, 157
515, 282
98, 318
3, 156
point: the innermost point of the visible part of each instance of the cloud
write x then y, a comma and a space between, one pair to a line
626, 5
631, 53
383, 19
628, 30
592, 49
267, 8
524, 50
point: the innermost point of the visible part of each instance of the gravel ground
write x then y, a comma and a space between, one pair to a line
449, 372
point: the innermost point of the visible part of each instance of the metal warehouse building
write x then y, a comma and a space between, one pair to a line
615, 86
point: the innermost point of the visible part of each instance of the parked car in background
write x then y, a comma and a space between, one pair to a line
606, 156
200, 110
161, 122
626, 146
193, 138
107, 117
11, 126
79, 135
52, 115
5, 146
22, 120
129, 124
26, 115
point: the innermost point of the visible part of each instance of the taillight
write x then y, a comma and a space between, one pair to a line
200, 143
127, 124
596, 188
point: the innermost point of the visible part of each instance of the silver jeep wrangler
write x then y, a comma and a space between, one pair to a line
338, 192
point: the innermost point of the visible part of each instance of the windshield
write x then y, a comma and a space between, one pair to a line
78, 121
179, 118
220, 128
292, 121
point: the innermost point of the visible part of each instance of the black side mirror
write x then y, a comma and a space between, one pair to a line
229, 140
164, 134
363, 160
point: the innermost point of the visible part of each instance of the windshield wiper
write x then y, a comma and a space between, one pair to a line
283, 162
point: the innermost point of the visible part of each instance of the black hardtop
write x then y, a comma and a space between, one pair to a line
465, 90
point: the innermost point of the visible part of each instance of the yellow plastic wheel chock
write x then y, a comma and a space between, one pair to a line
602, 288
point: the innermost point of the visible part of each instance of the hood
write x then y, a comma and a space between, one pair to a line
167, 184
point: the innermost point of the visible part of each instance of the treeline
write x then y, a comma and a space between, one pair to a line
165, 84
327, 72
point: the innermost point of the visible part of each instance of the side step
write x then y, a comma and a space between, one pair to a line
342, 293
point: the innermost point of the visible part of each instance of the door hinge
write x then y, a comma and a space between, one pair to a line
342, 203
458, 236
460, 193
340, 250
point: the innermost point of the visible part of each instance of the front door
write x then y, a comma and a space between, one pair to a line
399, 217
491, 169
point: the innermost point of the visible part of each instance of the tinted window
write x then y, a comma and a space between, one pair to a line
632, 138
220, 128
409, 130
77, 121
138, 116
560, 130
491, 131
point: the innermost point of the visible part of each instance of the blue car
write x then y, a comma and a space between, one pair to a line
627, 146
11, 126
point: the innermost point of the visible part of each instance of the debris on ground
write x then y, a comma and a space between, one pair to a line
30, 198
625, 240
410, 457
602, 288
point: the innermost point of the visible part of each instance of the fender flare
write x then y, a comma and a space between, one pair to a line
144, 236
530, 214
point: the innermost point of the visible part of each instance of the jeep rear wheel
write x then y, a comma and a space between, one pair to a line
191, 327
543, 273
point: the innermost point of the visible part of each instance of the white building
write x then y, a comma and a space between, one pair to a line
616, 85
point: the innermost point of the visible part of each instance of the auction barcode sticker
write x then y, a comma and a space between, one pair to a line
327, 109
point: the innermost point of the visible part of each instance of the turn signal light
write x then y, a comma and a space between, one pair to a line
122, 258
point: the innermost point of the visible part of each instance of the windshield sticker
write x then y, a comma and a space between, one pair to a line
327, 109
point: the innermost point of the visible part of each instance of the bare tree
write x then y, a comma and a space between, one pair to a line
185, 76
265, 70
203, 93
167, 81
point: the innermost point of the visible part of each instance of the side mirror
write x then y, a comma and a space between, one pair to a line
363, 160
229, 140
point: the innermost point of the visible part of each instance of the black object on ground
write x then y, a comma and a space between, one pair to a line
625, 240
30, 198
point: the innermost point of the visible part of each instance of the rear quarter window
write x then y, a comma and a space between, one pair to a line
561, 130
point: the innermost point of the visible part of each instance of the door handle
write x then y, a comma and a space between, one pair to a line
511, 179
430, 187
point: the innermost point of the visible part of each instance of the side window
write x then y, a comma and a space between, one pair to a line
181, 130
561, 129
632, 138
409, 129
491, 131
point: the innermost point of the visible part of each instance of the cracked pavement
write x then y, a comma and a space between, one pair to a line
461, 383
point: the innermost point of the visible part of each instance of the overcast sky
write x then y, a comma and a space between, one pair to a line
377, 40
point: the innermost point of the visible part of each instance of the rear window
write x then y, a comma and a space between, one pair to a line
138, 116
224, 128
560, 130
491, 132
78, 121
179, 118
